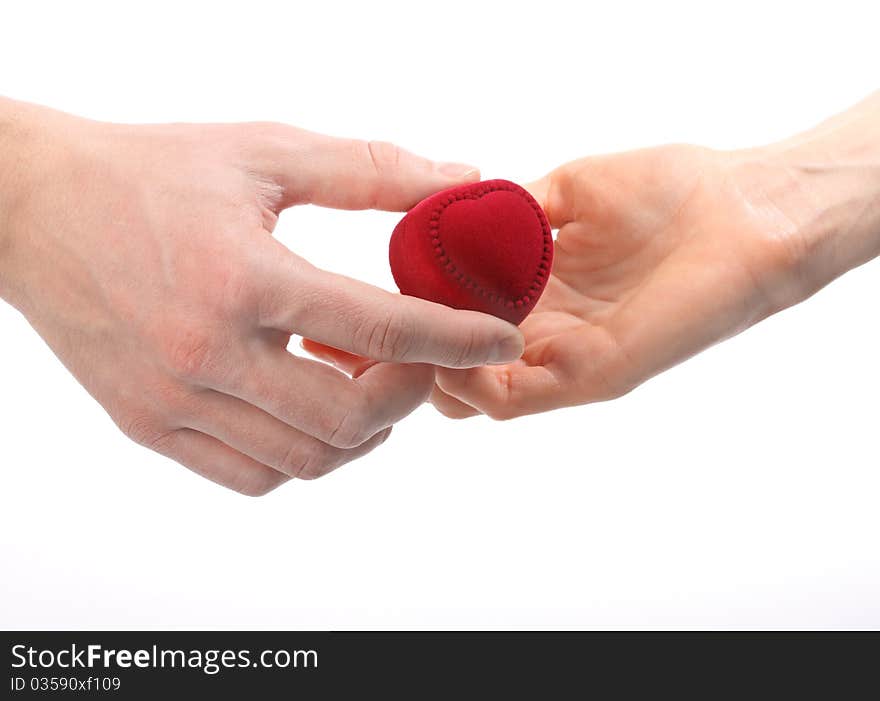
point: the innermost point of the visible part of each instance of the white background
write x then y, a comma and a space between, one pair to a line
738, 490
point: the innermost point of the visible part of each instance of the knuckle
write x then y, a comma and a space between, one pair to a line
465, 353
304, 463
232, 291
502, 412
456, 413
383, 159
605, 392
145, 430
190, 355
258, 487
391, 337
349, 428
384, 156
503, 407
293, 303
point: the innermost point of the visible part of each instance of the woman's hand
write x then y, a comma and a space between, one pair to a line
143, 256
663, 252
658, 255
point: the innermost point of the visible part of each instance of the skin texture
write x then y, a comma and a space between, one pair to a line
143, 256
663, 252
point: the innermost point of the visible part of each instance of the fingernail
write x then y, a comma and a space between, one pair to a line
508, 350
459, 171
326, 357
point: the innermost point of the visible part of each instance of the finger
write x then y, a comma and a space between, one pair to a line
348, 173
556, 194
219, 463
546, 192
347, 362
540, 190
504, 392
448, 406
324, 403
578, 365
365, 320
451, 407
269, 441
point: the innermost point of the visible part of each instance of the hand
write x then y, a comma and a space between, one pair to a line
658, 255
663, 252
143, 256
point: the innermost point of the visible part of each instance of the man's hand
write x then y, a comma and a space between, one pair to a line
143, 256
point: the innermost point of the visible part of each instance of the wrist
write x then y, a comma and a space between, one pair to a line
33, 144
17, 135
819, 194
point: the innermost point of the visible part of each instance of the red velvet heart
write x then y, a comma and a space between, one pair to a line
485, 246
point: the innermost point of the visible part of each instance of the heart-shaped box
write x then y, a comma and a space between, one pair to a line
485, 246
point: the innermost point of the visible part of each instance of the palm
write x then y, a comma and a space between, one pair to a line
654, 261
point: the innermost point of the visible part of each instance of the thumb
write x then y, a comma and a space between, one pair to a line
316, 169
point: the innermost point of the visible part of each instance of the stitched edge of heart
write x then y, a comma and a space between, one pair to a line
465, 280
